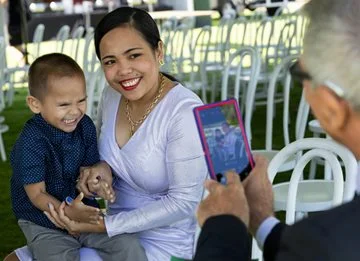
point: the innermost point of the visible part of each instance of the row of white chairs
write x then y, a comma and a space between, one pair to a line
187, 52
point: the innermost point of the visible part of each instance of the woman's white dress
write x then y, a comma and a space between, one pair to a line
159, 174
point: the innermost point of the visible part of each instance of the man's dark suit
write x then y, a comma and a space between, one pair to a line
332, 235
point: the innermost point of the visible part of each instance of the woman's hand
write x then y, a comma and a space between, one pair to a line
54, 217
60, 220
76, 210
96, 181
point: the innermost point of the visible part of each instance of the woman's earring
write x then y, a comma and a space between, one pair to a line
161, 62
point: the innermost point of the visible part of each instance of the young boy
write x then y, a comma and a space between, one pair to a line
46, 160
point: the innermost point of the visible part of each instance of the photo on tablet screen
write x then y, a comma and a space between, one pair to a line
223, 138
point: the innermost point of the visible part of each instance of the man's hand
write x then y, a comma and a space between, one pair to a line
76, 210
224, 200
258, 190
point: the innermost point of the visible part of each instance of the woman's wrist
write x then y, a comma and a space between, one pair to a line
94, 228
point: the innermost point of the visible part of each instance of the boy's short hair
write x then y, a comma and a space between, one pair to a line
53, 65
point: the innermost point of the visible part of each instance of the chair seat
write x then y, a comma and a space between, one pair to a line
270, 154
314, 126
312, 195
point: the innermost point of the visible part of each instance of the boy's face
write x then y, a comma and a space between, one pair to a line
64, 103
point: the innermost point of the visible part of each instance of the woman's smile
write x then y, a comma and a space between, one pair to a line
129, 85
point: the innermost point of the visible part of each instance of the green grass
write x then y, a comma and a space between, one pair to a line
11, 236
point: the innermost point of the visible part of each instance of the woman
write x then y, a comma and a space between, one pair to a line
148, 138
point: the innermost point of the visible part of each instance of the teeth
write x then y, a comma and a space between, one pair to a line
69, 121
130, 83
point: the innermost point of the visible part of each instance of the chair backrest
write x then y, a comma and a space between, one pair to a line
198, 58
175, 49
76, 36
281, 10
94, 90
284, 43
222, 38
37, 39
317, 147
301, 24
244, 59
238, 33
2, 20
90, 61
62, 35
303, 109
262, 40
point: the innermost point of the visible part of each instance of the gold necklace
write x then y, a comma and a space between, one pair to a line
133, 123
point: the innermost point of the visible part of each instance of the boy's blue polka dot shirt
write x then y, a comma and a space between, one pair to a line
45, 153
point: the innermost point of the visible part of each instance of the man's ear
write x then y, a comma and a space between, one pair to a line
336, 111
34, 104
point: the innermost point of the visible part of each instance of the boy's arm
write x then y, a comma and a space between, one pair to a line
39, 197
76, 211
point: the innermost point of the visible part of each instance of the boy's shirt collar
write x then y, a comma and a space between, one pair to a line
54, 133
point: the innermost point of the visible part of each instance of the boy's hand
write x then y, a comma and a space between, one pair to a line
76, 210
102, 189
96, 181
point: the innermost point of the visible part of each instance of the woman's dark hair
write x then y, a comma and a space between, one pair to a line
134, 17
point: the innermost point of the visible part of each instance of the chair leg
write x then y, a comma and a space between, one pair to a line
2, 148
313, 162
10, 92
2, 98
312, 169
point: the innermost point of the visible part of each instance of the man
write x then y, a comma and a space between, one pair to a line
330, 72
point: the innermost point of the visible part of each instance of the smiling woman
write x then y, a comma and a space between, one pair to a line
148, 142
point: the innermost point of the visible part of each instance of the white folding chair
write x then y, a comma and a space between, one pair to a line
90, 61
301, 118
303, 196
199, 55
76, 36
95, 87
62, 35
246, 58
218, 51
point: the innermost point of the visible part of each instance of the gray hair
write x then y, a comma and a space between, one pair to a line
332, 45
